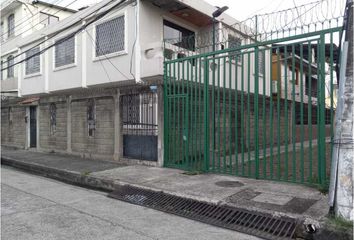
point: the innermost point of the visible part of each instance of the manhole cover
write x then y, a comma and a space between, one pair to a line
229, 184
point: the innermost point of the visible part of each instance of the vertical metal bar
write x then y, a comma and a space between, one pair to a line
242, 115
201, 118
188, 159
218, 117
206, 115
331, 67
213, 117
248, 113
271, 113
256, 123
264, 127
286, 174
174, 115
179, 146
302, 112
166, 111
309, 106
230, 115
278, 112
224, 114
195, 102
293, 116
322, 100
236, 115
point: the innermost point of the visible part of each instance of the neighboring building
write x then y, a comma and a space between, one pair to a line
98, 93
21, 18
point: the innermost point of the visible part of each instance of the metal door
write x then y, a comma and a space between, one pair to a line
33, 127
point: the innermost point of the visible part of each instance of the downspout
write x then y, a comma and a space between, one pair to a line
136, 45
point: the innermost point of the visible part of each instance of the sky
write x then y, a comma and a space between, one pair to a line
237, 9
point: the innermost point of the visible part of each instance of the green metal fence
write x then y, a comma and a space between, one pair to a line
262, 110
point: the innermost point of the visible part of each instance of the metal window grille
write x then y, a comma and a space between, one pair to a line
33, 61
11, 25
234, 42
261, 62
53, 117
10, 67
91, 117
110, 36
139, 113
65, 52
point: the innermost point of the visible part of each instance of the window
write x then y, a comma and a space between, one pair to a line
65, 52
11, 25
10, 66
33, 63
261, 62
131, 109
235, 42
110, 36
53, 118
182, 37
47, 19
91, 117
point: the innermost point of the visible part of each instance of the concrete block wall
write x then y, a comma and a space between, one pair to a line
57, 140
102, 143
14, 133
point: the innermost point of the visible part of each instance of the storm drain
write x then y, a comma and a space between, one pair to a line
241, 220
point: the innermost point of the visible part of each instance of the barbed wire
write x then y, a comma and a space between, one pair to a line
306, 18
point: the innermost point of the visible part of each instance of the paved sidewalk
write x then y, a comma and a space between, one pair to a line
266, 196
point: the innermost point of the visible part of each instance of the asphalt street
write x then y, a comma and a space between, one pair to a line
37, 208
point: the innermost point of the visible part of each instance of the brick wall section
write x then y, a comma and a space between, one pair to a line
102, 143
13, 134
57, 140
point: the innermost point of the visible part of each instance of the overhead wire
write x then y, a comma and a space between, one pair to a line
61, 30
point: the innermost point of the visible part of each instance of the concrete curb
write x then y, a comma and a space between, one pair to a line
70, 177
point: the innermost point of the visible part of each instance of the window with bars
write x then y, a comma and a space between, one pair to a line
110, 36
53, 118
91, 117
11, 25
65, 52
261, 62
234, 42
10, 66
33, 63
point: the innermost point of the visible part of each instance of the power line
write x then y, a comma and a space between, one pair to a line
45, 19
25, 19
61, 30
83, 27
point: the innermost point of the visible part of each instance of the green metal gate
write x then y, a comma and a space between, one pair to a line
262, 110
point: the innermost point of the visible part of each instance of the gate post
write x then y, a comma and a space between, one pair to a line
256, 123
206, 115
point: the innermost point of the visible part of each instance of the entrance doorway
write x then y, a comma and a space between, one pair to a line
33, 126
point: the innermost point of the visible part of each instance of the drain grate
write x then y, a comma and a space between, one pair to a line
250, 222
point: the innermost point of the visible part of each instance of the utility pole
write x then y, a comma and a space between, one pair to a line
341, 185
